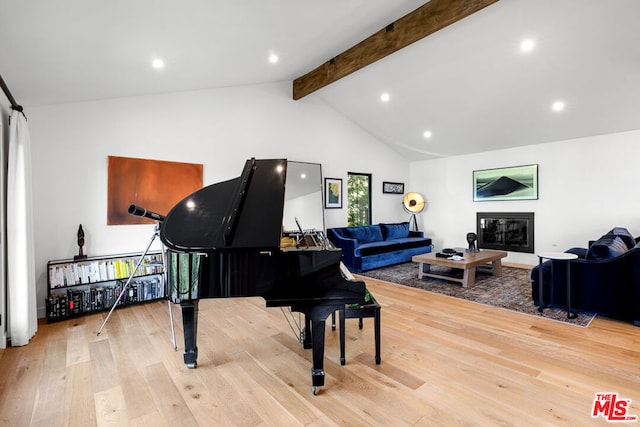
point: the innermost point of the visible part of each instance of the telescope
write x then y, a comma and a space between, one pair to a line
140, 211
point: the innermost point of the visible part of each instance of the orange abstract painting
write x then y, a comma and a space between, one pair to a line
155, 185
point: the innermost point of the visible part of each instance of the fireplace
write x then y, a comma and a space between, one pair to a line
506, 231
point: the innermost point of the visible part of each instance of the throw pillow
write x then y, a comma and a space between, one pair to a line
624, 234
395, 231
364, 233
608, 246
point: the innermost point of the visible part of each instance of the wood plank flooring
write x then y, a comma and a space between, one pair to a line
445, 362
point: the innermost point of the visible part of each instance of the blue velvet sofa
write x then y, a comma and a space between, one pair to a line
373, 246
605, 278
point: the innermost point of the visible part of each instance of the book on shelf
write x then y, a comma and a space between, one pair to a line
86, 299
82, 272
94, 284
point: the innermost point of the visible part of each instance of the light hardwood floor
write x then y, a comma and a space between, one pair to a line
445, 362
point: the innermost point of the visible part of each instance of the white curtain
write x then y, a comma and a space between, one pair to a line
21, 288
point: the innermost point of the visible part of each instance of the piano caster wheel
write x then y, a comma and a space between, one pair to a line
192, 365
315, 390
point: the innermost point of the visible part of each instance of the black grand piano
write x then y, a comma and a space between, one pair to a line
228, 236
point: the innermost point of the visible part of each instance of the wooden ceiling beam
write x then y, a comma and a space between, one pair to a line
425, 20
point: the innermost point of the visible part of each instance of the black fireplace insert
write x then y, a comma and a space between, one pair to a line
506, 231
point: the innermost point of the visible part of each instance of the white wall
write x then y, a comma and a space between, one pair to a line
220, 128
586, 187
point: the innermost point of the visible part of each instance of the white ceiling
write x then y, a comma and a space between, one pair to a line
469, 84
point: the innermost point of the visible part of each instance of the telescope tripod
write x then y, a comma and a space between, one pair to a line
156, 233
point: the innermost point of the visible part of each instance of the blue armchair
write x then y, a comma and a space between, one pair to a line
605, 278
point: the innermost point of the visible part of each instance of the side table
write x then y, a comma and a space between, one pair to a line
556, 256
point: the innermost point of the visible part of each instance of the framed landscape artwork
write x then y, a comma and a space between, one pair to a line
511, 183
393, 187
333, 193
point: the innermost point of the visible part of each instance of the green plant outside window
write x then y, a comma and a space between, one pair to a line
358, 199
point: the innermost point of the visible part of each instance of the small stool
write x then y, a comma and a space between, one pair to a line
372, 309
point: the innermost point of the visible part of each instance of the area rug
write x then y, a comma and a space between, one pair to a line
511, 290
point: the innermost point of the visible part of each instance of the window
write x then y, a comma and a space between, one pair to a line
359, 199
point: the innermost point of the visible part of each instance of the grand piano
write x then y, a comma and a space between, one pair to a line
225, 240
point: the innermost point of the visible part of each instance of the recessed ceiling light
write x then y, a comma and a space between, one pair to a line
427, 134
158, 64
385, 97
527, 45
273, 58
557, 106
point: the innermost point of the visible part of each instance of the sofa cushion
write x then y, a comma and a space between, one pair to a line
386, 246
608, 246
364, 233
372, 248
624, 234
395, 231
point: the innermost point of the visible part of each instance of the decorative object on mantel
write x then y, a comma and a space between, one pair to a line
512, 183
413, 203
333, 193
393, 187
80, 255
471, 239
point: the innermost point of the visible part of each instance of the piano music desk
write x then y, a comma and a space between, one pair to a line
359, 312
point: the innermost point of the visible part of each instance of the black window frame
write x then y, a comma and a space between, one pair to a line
369, 178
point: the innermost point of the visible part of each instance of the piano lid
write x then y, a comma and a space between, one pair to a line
245, 212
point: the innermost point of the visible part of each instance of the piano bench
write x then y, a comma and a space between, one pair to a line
359, 312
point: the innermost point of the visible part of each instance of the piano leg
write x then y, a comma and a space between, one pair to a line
306, 342
190, 328
317, 316
317, 371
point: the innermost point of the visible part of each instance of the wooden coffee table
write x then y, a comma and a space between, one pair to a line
469, 263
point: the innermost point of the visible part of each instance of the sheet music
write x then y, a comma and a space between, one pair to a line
345, 272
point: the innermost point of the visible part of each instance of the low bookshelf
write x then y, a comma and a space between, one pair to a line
76, 288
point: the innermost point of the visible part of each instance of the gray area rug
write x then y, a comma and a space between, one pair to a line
511, 290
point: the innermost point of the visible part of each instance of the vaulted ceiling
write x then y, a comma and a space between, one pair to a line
469, 84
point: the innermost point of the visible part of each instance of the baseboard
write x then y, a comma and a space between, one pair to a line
516, 265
